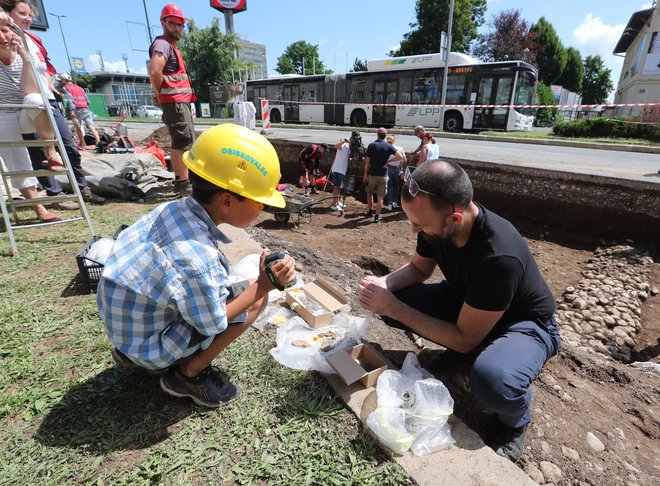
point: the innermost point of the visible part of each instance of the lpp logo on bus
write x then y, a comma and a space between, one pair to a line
423, 111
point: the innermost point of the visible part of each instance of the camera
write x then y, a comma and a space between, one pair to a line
270, 259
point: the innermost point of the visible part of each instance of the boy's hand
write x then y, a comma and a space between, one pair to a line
283, 270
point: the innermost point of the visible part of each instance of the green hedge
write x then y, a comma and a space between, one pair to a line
617, 127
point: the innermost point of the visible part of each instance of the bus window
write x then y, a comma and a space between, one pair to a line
485, 90
379, 89
405, 87
426, 88
358, 86
503, 91
455, 88
391, 92
525, 93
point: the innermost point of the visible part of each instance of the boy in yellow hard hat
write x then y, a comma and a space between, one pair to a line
164, 294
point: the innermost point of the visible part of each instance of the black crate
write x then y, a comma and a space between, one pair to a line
91, 270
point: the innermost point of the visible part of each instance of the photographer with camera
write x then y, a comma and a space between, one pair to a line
165, 296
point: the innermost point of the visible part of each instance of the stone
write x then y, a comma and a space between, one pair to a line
580, 304
545, 448
534, 473
654, 291
594, 442
572, 454
551, 472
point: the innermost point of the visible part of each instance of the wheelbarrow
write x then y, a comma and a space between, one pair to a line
298, 205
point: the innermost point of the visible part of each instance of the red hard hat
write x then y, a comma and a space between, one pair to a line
171, 10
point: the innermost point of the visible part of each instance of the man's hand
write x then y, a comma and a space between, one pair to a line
374, 296
156, 98
365, 179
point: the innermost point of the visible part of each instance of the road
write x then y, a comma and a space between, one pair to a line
641, 167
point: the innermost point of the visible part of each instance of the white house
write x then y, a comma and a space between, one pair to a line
640, 76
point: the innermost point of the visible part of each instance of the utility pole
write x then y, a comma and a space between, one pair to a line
444, 80
66, 49
124, 56
151, 37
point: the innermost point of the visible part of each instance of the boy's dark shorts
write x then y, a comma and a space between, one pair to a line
178, 118
338, 180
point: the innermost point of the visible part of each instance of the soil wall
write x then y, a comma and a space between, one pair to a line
583, 206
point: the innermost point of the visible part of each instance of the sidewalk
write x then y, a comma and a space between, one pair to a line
469, 462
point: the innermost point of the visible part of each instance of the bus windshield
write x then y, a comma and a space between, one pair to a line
525, 92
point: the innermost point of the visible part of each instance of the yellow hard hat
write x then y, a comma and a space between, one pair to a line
237, 159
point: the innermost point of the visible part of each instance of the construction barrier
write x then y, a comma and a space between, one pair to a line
601, 105
265, 114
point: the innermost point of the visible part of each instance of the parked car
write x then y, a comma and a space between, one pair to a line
149, 111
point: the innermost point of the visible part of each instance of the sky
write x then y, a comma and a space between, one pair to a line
343, 29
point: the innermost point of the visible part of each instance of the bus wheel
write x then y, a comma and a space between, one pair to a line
453, 123
359, 118
275, 116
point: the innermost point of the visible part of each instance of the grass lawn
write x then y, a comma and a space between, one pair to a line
534, 134
69, 416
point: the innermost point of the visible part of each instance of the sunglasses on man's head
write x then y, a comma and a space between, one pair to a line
414, 190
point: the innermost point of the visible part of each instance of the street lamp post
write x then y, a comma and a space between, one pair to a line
444, 80
66, 49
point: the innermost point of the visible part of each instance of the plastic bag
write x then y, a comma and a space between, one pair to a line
99, 251
153, 148
307, 353
412, 410
248, 269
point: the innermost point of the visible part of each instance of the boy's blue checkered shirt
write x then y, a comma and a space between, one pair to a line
164, 277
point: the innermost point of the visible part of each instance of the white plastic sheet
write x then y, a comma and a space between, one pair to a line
412, 410
348, 329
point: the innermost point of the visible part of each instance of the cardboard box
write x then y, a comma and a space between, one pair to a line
350, 364
320, 291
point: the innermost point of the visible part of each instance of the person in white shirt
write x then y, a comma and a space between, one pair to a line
393, 175
338, 173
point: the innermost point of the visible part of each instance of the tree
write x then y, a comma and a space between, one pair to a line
508, 39
571, 78
291, 61
209, 57
359, 65
85, 81
551, 60
433, 18
597, 84
545, 116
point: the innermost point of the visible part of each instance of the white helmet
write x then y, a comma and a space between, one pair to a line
65, 77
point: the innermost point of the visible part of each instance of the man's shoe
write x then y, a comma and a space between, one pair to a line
336, 207
183, 188
314, 190
65, 205
207, 389
377, 218
507, 442
90, 197
388, 207
369, 213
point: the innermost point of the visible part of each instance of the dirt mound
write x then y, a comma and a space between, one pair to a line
596, 421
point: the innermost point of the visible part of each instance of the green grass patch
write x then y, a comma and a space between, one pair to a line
539, 135
69, 416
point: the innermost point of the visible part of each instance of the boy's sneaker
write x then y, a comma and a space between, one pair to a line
207, 389
369, 213
507, 442
377, 218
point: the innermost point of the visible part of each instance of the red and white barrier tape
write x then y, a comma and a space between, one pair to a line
602, 105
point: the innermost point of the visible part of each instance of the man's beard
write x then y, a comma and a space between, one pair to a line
174, 34
436, 239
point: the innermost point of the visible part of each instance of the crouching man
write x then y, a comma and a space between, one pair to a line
493, 309
164, 294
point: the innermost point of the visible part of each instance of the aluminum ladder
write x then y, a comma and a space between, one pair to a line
5, 191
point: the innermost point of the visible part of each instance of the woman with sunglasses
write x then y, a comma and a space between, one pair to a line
493, 311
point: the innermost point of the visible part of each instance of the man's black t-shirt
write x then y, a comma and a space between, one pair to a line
379, 153
494, 271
